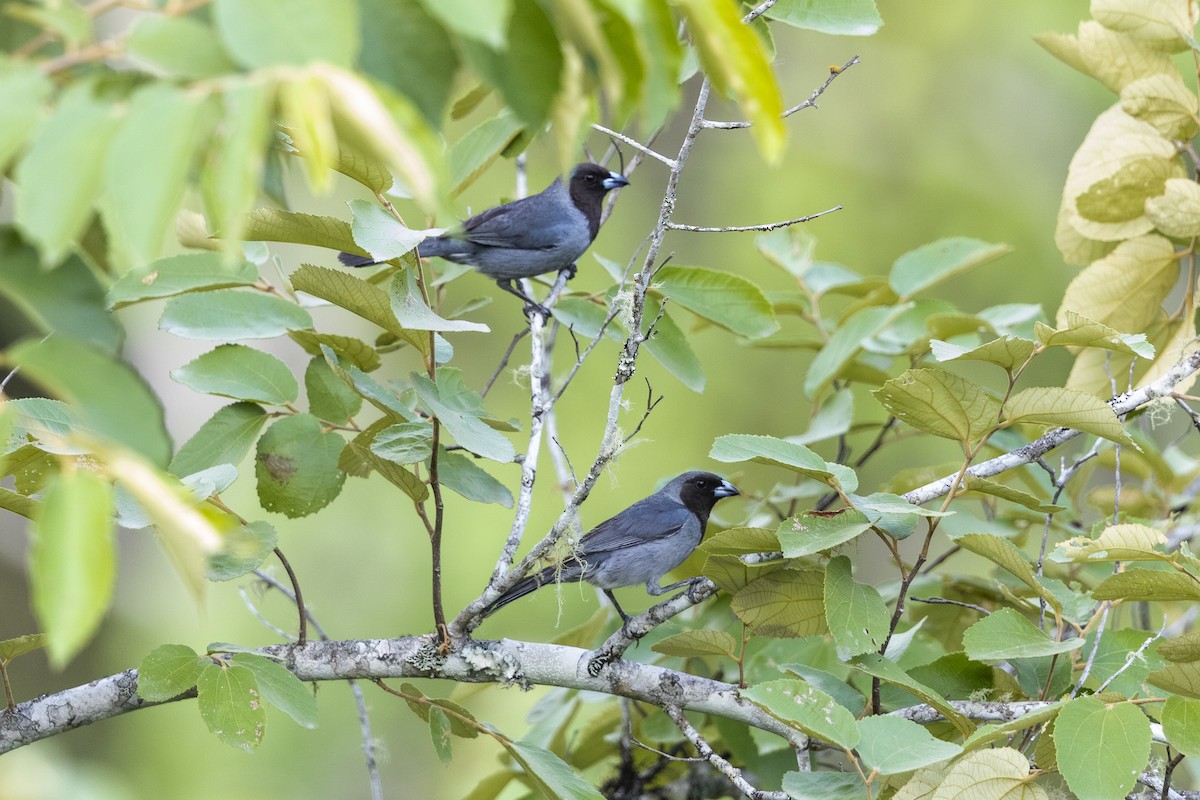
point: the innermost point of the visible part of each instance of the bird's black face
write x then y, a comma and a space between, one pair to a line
701, 490
595, 180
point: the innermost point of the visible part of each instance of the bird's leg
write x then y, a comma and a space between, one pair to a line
531, 305
690, 583
616, 605
570, 269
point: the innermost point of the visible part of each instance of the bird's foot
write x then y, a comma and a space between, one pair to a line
532, 308
570, 270
691, 592
597, 664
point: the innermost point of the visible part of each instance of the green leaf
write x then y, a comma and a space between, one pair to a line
278, 225
412, 312
1180, 678
887, 670
17, 503
938, 262
232, 314
240, 372
670, 347
1101, 748
479, 148
1068, 408
846, 343
230, 705
354, 350
1005, 555
225, 438
168, 671
178, 274
243, 551
738, 541
439, 731
857, 617
528, 71
61, 174
486, 23
989, 734
23, 88
11, 649
1148, 585
1125, 542
1181, 648
182, 47
979, 485
786, 603
405, 443
697, 643
402, 478
729, 300
552, 776
1124, 289
840, 18
1001, 773
1006, 634
835, 687
297, 466
824, 786
67, 299
1083, 332
1181, 724
358, 297
109, 397
1007, 352
236, 160
147, 167
467, 429
281, 688
1122, 195
379, 233
891, 745
405, 47
735, 447
462, 475
72, 561
734, 58
810, 533
266, 33
807, 708
329, 398
942, 404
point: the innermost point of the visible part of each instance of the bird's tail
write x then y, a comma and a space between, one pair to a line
351, 260
432, 246
566, 573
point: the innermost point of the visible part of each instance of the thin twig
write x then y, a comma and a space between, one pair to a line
811, 102
636, 145
770, 226
723, 766
297, 597
504, 361
947, 602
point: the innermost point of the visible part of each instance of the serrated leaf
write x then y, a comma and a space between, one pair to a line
18, 646
807, 708
230, 705
1001, 773
178, 274
1006, 634
72, 561
697, 643
243, 551
1181, 648
240, 372
1148, 585
439, 732
942, 404
395, 474
786, 603
810, 533
1181, 724
1122, 195
550, 774
1007, 352
737, 541
478, 148
1067, 408
978, 485
844, 18
1125, 289
329, 398
855, 613
279, 687
845, 344
232, 314
1124, 542
1005, 555
278, 225
737, 447
824, 786
729, 300
467, 429
225, 438
412, 312
379, 233
1164, 101
891, 745
989, 734
405, 443
1101, 748
462, 475
1083, 332
1180, 678
938, 262
887, 670
1176, 211
297, 466
169, 671
354, 350
358, 297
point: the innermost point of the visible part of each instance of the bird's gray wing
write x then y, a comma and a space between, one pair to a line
532, 223
653, 518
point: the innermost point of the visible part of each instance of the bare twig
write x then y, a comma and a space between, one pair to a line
504, 360
946, 602
811, 102
723, 766
770, 226
297, 598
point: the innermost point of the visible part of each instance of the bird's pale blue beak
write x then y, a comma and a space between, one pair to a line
726, 489
614, 180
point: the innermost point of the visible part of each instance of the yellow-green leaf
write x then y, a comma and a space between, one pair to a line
1068, 408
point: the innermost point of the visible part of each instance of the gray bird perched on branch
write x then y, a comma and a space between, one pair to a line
640, 545
541, 233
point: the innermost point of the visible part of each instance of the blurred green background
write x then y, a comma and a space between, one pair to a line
955, 123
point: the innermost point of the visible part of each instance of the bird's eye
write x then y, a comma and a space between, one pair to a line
701, 483
590, 178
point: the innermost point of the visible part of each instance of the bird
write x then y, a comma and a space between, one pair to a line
545, 232
639, 545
